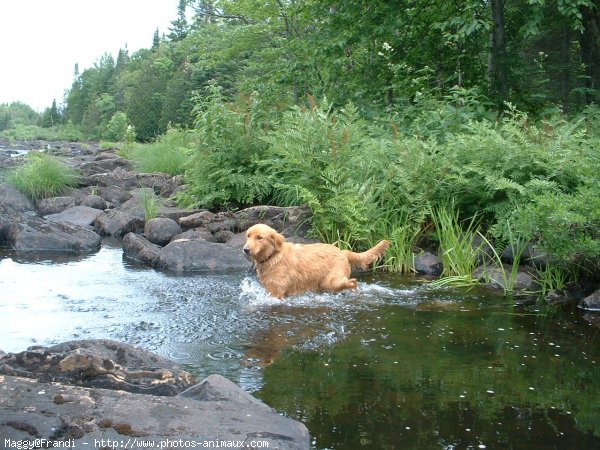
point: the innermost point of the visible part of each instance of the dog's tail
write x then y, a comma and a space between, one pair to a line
364, 259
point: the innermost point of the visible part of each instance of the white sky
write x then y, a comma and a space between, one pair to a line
41, 40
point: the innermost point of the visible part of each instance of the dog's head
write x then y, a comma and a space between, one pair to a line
262, 242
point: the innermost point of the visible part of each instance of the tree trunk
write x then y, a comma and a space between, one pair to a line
497, 67
565, 72
590, 49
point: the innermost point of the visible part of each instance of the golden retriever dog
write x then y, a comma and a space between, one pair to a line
286, 269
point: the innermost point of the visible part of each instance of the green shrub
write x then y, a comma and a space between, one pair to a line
168, 154
224, 165
116, 127
43, 176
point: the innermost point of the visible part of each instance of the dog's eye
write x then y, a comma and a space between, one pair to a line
258, 238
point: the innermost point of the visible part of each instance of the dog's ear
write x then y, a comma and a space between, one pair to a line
277, 239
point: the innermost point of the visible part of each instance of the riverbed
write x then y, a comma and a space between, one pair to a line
395, 365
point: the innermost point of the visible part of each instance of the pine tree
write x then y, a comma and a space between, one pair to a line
155, 41
180, 25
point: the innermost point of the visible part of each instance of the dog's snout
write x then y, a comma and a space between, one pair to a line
247, 250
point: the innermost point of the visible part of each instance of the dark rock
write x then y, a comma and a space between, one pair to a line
291, 221
592, 301
222, 221
12, 201
135, 205
559, 297
223, 236
196, 220
237, 241
39, 235
197, 233
163, 184
428, 264
100, 363
161, 230
53, 412
119, 177
532, 255
496, 278
216, 388
199, 255
117, 223
138, 248
111, 194
83, 216
55, 205
94, 201
103, 165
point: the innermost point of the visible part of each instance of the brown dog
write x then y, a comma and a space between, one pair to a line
289, 269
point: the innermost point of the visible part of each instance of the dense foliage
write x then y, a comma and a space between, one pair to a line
377, 114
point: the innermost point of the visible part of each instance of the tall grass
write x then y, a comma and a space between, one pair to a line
169, 154
508, 279
404, 233
43, 176
456, 241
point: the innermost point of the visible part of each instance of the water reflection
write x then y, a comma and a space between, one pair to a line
395, 365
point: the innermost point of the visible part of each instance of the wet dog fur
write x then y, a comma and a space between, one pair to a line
285, 269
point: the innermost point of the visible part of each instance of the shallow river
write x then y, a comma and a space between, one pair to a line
392, 366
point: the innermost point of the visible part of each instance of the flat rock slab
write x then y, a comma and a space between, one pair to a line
100, 363
100, 418
84, 216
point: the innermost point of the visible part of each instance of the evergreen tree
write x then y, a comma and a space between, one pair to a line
155, 41
180, 26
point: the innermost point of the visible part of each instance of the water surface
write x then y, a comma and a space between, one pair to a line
392, 366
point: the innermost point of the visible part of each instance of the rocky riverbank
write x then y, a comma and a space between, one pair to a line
100, 393
110, 202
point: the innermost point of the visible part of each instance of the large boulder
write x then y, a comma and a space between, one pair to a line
138, 248
117, 223
48, 413
428, 264
161, 230
501, 278
100, 363
201, 256
55, 205
94, 201
12, 201
40, 235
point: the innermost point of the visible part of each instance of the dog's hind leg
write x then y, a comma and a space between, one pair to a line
336, 283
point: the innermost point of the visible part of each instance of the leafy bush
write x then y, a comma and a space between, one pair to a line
43, 176
116, 127
313, 158
224, 165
